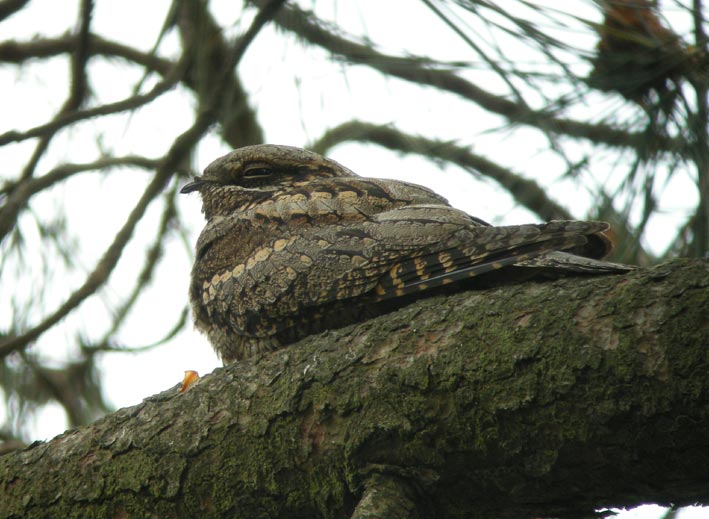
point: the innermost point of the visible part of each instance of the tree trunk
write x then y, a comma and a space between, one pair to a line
538, 399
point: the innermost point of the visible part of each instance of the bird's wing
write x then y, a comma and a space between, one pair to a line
326, 201
393, 254
430, 246
563, 262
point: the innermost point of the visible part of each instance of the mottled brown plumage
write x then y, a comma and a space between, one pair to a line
295, 243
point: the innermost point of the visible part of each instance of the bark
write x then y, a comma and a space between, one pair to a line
531, 400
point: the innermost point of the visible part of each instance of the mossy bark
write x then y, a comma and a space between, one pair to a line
539, 399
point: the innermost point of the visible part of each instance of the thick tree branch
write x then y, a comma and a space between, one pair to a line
538, 399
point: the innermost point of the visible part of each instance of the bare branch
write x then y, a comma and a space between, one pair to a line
9, 7
80, 58
179, 150
130, 103
205, 51
19, 52
305, 25
103, 269
77, 92
203, 40
106, 344
18, 194
152, 257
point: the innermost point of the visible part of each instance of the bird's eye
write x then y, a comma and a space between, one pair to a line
258, 172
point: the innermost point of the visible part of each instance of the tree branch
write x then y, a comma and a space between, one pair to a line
178, 151
10, 7
531, 400
421, 71
67, 118
19, 193
20, 51
203, 40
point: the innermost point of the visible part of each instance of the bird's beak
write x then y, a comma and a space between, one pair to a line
195, 185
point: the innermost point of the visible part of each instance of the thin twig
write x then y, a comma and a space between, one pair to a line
107, 109
18, 194
307, 27
152, 257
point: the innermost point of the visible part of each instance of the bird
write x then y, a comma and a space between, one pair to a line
296, 243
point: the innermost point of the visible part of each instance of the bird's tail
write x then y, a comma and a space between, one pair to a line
535, 245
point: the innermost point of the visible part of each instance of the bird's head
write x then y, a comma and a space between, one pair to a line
252, 173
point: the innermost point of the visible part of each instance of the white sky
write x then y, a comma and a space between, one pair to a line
297, 95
